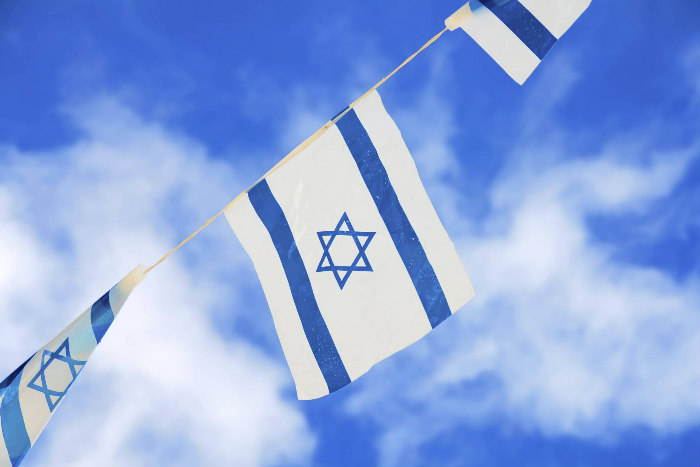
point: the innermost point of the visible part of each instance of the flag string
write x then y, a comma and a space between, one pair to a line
299, 148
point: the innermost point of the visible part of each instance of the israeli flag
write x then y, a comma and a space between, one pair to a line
352, 257
30, 395
517, 33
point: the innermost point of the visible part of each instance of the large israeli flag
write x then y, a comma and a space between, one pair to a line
30, 395
352, 257
517, 34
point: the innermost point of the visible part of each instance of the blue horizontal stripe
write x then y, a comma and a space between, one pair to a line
320, 340
404, 237
6, 382
14, 431
101, 316
523, 24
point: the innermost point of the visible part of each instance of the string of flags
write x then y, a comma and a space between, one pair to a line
352, 257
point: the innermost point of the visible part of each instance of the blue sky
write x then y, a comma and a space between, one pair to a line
573, 201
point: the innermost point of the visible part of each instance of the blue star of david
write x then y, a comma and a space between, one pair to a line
62, 354
360, 263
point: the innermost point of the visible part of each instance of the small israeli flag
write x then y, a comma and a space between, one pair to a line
29, 396
352, 257
517, 34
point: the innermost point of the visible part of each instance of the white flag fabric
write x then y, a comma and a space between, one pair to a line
30, 395
352, 257
517, 34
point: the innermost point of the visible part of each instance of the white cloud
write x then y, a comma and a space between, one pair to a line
166, 386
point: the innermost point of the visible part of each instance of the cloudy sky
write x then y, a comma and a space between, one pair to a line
574, 202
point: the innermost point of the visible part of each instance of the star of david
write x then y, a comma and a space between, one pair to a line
53, 394
359, 263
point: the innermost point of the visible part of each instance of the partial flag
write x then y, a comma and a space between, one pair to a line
351, 254
517, 34
31, 394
